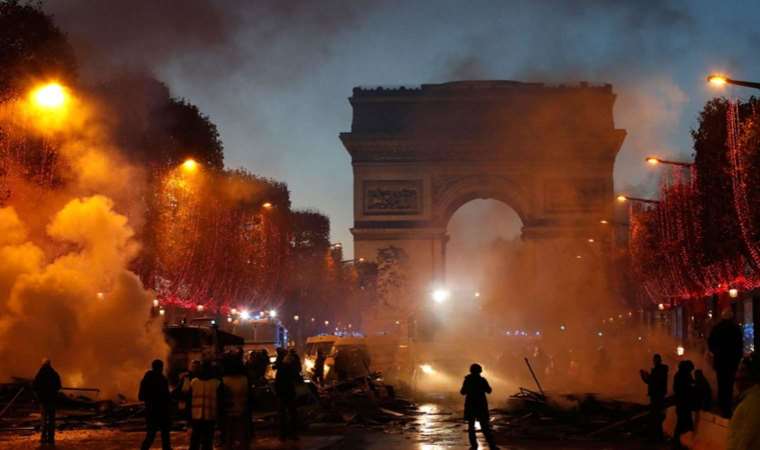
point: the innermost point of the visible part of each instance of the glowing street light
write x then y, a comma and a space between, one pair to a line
162, 312
49, 96
653, 161
296, 318
200, 308
440, 295
719, 81
604, 221
427, 368
245, 315
190, 165
272, 313
733, 292
155, 303
267, 205
625, 198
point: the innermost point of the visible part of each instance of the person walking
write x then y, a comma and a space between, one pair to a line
657, 389
744, 427
685, 393
236, 406
47, 384
285, 382
154, 392
475, 388
204, 395
727, 347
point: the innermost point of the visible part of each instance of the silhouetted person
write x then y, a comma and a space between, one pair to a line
727, 346
236, 406
657, 389
683, 389
744, 427
703, 391
183, 390
204, 395
47, 384
285, 387
154, 391
319, 368
341, 365
475, 389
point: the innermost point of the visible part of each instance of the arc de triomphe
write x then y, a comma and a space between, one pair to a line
420, 153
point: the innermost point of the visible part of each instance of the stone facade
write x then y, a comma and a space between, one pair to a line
418, 154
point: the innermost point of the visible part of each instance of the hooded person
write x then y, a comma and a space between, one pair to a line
154, 392
475, 388
46, 385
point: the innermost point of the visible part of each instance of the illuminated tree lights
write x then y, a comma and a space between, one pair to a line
679, 251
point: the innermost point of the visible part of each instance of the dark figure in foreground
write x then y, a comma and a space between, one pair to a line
319, 368
726, 345
744, 428
657, 389
47, 384
703, 391
236, 405
204, 393
475, 389
285, 382
154, 391
684, 391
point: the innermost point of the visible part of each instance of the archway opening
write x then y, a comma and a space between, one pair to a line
482, 233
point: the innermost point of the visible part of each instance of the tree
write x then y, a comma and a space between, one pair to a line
32, 49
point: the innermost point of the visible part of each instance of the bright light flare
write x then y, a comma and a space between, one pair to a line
604, 221
441, 295
245, 315
733, 292
622, 198
717, 80
680, 350
272, 313
190, 165
49, 96
651, 160
427, 369
267, 205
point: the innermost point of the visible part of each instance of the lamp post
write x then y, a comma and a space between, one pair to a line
653, 161
625, 198
722, 80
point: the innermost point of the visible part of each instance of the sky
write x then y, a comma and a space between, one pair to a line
275, 75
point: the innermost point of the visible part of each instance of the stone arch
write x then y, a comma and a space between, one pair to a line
461, 190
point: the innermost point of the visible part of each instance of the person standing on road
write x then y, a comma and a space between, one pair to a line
204, 393
154, 391
47, 384
727, 347
744, 427
657, 389
236, 405
685, 394
285, 387
475, 388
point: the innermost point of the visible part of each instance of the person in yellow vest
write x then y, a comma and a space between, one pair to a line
744, 427
236, 404
204, 408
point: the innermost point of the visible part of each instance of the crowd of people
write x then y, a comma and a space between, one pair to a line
212, 395
692, 391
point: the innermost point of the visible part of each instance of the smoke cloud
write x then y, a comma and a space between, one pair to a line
83, 308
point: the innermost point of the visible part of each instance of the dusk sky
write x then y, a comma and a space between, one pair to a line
275, 76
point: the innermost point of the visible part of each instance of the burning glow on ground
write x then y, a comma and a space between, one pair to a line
51, 95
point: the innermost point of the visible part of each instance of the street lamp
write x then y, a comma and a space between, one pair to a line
190, 165
624, 198
653, 161
267, 205
719, 80
49, 96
